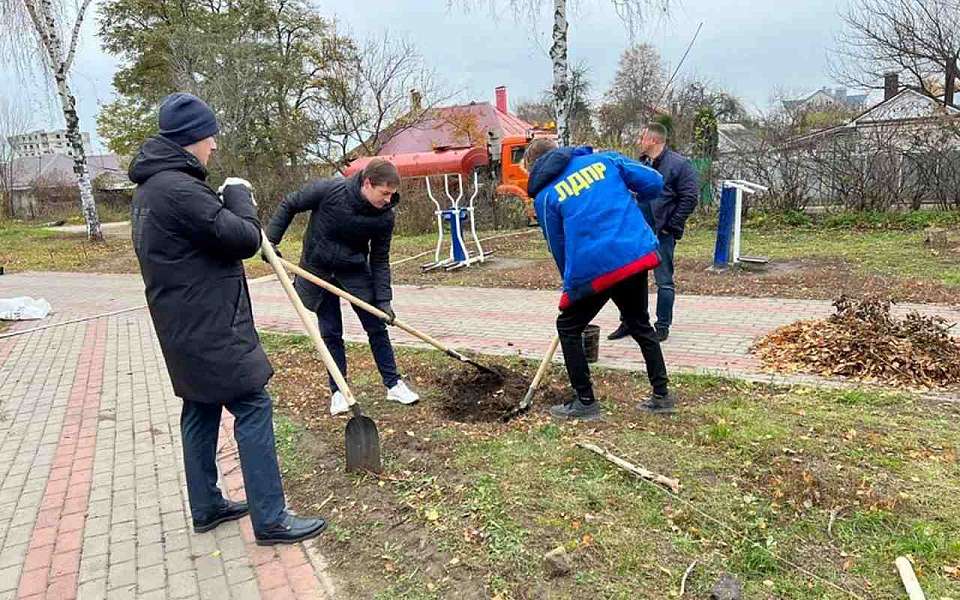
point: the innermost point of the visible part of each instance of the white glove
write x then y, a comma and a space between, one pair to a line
237, 181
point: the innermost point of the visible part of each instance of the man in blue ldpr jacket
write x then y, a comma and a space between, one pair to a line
603, 247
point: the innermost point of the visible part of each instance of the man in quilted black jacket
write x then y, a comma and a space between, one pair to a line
347, 242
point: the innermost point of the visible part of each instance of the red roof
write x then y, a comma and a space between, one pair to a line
419, 164
441, 128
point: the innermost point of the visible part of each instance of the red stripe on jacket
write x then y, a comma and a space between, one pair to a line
608, 280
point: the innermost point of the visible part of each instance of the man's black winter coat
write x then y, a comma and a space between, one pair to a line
190, 245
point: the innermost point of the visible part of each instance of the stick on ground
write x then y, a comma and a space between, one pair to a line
672, 484
910, 583
683, 582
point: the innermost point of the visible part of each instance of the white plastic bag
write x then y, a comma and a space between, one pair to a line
23, 308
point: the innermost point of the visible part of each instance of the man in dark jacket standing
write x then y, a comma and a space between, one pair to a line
668, 216
347, 242
190, 243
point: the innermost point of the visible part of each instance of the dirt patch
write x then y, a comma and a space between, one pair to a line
375, 539
813, 278
481, 397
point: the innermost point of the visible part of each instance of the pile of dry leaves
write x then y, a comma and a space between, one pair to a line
864, 341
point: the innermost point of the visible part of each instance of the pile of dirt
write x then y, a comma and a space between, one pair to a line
864, 341
474, 396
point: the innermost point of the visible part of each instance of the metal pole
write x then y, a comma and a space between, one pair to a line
736, 226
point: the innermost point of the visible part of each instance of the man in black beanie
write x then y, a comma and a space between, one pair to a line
190, 243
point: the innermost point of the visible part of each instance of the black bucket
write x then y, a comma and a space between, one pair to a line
591, 343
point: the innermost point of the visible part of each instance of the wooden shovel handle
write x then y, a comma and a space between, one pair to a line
308, 321
541, 371
371, 309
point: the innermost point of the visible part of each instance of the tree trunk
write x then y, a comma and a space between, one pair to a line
558, 53
949, 82
87, 204
50, 37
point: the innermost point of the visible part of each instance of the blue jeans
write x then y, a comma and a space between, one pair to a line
253, 429
663, 276
330, 319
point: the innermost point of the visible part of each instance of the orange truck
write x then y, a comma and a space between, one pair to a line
500, 163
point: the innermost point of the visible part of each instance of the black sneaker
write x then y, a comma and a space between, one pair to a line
231, 511
290, 530
659, 405
619, 333
576, 409
662, 333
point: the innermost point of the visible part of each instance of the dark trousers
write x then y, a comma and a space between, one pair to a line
630, 296
663, 276
253, 430
330, 319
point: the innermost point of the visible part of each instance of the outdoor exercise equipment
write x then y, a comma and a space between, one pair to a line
727, 249
455, 217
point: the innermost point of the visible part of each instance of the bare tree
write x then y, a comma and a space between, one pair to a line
377, 91
40, 28
630, 101
874, 167
13, 121
632, 12
918, 37
579, 107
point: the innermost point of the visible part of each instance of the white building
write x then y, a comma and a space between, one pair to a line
42, 143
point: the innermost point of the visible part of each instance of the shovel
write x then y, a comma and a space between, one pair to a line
362, 438
385, 317
528, 397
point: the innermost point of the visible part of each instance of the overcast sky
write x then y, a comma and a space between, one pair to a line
749, 47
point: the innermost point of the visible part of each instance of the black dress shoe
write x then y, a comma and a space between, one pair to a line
662, 334
230, 511
290, 530
620, 332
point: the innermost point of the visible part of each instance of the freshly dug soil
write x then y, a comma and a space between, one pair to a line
475, 396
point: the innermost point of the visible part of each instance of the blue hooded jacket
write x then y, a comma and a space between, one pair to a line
591, 221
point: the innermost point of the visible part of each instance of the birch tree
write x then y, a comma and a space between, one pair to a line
633, 13
39, 29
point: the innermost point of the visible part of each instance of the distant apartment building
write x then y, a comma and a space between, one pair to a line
43, 143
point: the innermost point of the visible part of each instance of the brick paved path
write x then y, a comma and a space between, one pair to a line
711, 334
92, 492
92, 495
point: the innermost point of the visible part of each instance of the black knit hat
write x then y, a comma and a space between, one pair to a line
186, 119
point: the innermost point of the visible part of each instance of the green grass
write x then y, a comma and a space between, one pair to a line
886, 252
26, 246
288, 436
762, 469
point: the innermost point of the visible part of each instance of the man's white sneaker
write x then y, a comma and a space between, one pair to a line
338, 404
402, 394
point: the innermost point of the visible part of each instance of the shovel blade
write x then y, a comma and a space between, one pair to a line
363, 445
485, 368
